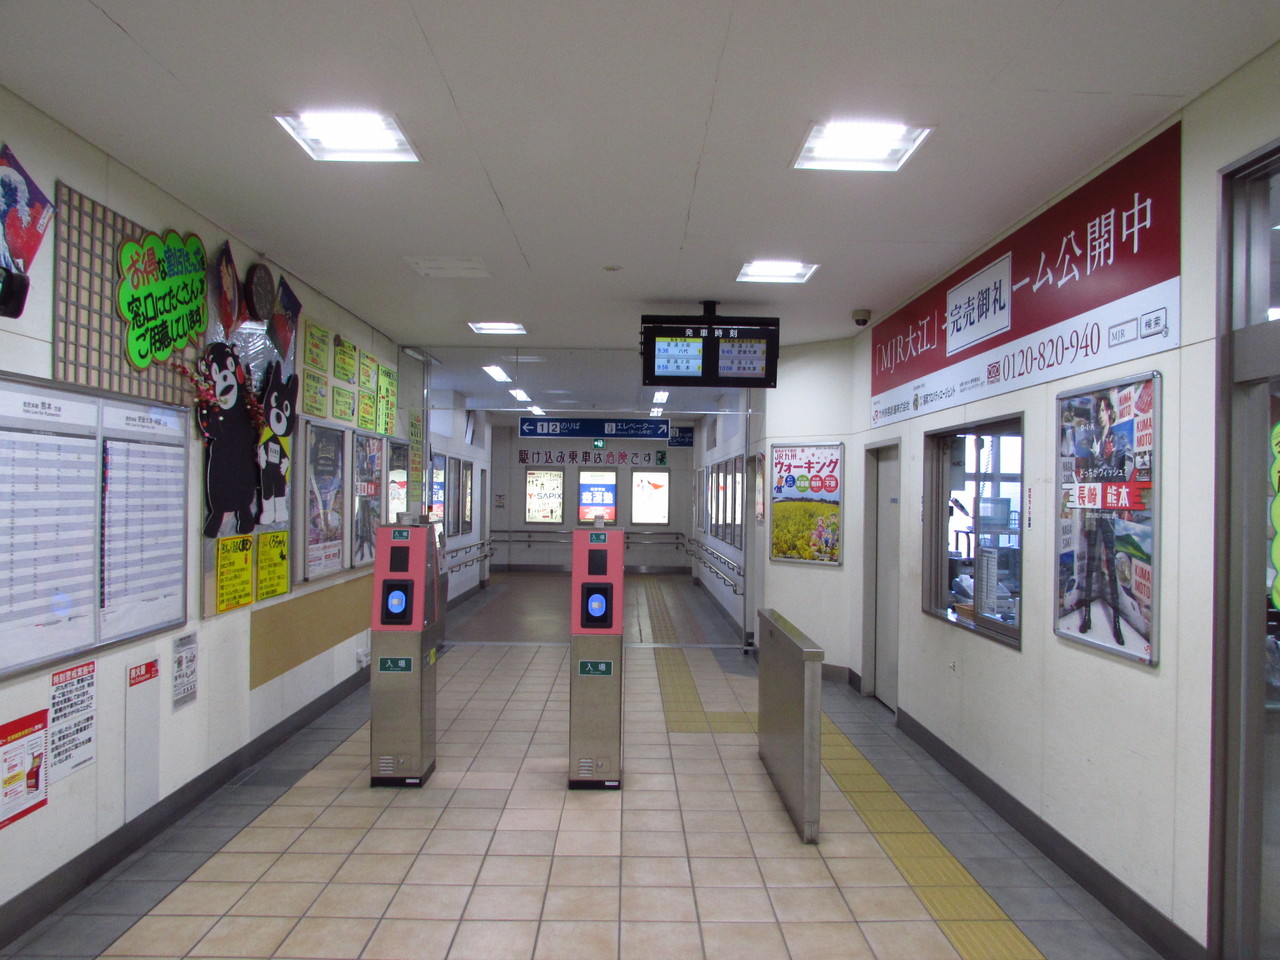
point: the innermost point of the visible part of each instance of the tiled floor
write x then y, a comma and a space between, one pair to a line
494, 859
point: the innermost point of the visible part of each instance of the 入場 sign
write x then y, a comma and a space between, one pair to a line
1091, 282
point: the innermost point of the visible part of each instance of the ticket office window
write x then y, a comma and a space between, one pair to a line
973, 528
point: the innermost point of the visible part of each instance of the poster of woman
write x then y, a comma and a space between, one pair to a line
805, 496
1106, 516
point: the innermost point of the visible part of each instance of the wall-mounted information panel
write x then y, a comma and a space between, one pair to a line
93, 494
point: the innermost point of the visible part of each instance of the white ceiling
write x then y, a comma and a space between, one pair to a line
562, 137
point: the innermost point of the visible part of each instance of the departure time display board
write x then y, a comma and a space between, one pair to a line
709, 351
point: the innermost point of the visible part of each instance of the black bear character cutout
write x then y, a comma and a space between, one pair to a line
230, 477
279, 399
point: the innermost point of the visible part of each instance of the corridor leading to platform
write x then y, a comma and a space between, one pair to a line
495, 859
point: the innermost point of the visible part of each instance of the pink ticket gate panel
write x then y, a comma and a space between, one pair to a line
407, 620
595, 659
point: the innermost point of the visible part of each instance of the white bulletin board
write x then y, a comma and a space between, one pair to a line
93, 494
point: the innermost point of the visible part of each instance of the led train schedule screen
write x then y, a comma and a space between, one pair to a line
677, 356
709, 351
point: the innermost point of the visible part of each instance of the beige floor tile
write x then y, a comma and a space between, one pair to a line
581, 903
523, 843
673, 904
364, 796
708, 800
734, 905
585, 871
713, 821
242, 867
885, 903
194, 898
588, 843
744, 941
576, 940
650, 799
573, 818
447, 869
304, 868
488, 781
725, 872
505, 903
539, 818
353, 900
782, 845
718, 844
809, 905
308, 797
378, 841
455, 842
795, 872
161, 937
593, 800
263, 840
826, 941
287, 816
338, 818
374, 868
493, 940
329, 839
840, 821
513, 871
266, 899
762, 800
652, 820
414, 901
318, 938
552, 799
768, 821
410, 940
908, 940
402, 818
850, 844
468, 818
243, 937
653, 843
647, 781
865, 871
655, 872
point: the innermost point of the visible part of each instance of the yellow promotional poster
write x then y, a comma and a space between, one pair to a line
366, 411
235, 572
346, 360
315, 347
273, 563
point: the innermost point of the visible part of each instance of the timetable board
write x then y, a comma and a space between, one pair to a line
709, 351
92, 521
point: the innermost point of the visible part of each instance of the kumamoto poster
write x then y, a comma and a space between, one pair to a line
1091, 282
806, 493
1107, 447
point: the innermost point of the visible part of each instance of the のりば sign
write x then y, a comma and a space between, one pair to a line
1093, 281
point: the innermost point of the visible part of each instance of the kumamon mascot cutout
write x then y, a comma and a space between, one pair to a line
230, 441
279, 400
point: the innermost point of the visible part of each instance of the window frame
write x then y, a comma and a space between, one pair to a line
936, 598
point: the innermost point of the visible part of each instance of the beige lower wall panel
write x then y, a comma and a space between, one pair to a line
288, 634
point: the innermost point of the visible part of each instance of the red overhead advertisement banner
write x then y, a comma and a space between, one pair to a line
1092, 281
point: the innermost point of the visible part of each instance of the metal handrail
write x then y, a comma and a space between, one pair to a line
738, 588
484, 545
729, 562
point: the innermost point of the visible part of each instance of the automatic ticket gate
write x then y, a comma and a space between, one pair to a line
410, 597
595, 660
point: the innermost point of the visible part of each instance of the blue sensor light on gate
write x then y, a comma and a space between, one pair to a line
597, 604
596, 600
396, 601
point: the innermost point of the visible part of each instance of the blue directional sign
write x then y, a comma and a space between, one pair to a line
681, 437
649, 428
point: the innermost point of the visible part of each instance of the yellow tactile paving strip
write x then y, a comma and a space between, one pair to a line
966, 914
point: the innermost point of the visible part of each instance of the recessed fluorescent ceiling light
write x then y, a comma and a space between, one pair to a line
655, 411
368, 137
661, 396
520, 395
1273, 314
776, 271
497, 373
537, 411
497, 326
859, 145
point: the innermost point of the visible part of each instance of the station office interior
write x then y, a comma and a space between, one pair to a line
1156, 782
